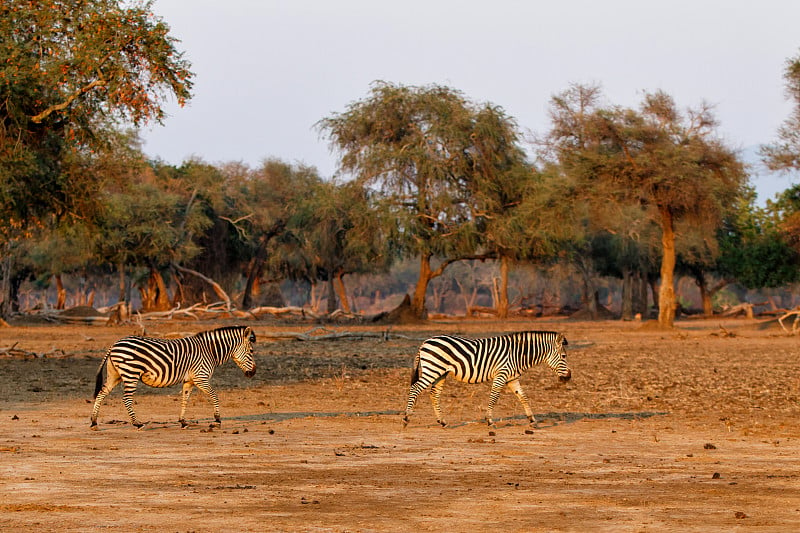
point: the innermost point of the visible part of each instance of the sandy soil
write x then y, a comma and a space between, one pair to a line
683, 430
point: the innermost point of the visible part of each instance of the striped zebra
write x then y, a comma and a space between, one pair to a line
161, 363
500, 360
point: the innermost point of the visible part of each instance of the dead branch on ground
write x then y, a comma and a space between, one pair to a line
18, 353
325, 334
795, 325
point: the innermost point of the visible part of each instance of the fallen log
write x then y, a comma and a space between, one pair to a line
18, 353
325, 334
745, 308
795, 324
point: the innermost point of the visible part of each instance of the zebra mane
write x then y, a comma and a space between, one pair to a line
545, 333
224, 329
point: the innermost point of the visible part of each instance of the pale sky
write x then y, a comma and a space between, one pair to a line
268, 70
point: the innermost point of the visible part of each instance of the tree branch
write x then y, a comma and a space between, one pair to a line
66, 103
216, 286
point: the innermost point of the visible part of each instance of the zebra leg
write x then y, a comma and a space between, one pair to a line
187, 390
112, 380
413, 392
516, 388
129, 387
436, 392
206, 387
497, 386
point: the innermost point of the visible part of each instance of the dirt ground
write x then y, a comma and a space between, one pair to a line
691, 429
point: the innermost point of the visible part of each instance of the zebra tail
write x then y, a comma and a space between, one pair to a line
98, 382
415, 371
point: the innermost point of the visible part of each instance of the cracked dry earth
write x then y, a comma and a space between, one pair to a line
682, 430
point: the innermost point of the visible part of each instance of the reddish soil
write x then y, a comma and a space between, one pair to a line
690, 429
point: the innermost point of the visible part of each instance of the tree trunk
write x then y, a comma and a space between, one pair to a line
342, 292
253, 274
154, 296
627, 295
705, 297
666, 294
5, 283
61, 293
652, 285
122, 287
329, 283
706, 293
502, 303
418, 301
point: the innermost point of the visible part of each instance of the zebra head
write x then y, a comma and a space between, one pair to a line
243, 352
557, 358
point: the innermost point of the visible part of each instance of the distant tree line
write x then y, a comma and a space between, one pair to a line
643, 195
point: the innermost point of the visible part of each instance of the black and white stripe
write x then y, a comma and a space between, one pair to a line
500, 360
161, 363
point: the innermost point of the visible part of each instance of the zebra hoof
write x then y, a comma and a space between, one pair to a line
138, 425
405, 422
184, 424
94, 427
443, 423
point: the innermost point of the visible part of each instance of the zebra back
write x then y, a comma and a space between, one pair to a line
476, 360
169, 359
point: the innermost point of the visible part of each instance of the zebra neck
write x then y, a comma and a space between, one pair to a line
530, 355
220, 352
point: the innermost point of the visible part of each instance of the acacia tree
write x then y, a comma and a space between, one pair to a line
259, 204
417, 147
70, 70
665, 161
505, 191
150, 224
784, 154
339, 233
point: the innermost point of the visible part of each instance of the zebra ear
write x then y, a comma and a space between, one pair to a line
248, 332
561, 339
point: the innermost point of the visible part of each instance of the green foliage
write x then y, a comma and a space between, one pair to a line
427, 151
338, 231
147, 224
784, 154
654, 163
60, 249
69, 70
448, 173
755, 249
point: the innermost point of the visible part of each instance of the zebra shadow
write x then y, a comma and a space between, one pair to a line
552, 419
264, 417
544, 420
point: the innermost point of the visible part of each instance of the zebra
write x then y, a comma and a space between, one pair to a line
161, 363
500, 359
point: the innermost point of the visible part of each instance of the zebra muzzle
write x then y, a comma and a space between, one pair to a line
565, 377
250, 373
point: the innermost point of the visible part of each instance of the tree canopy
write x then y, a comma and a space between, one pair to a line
666, 162
784, 154
426, 150
70, 70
